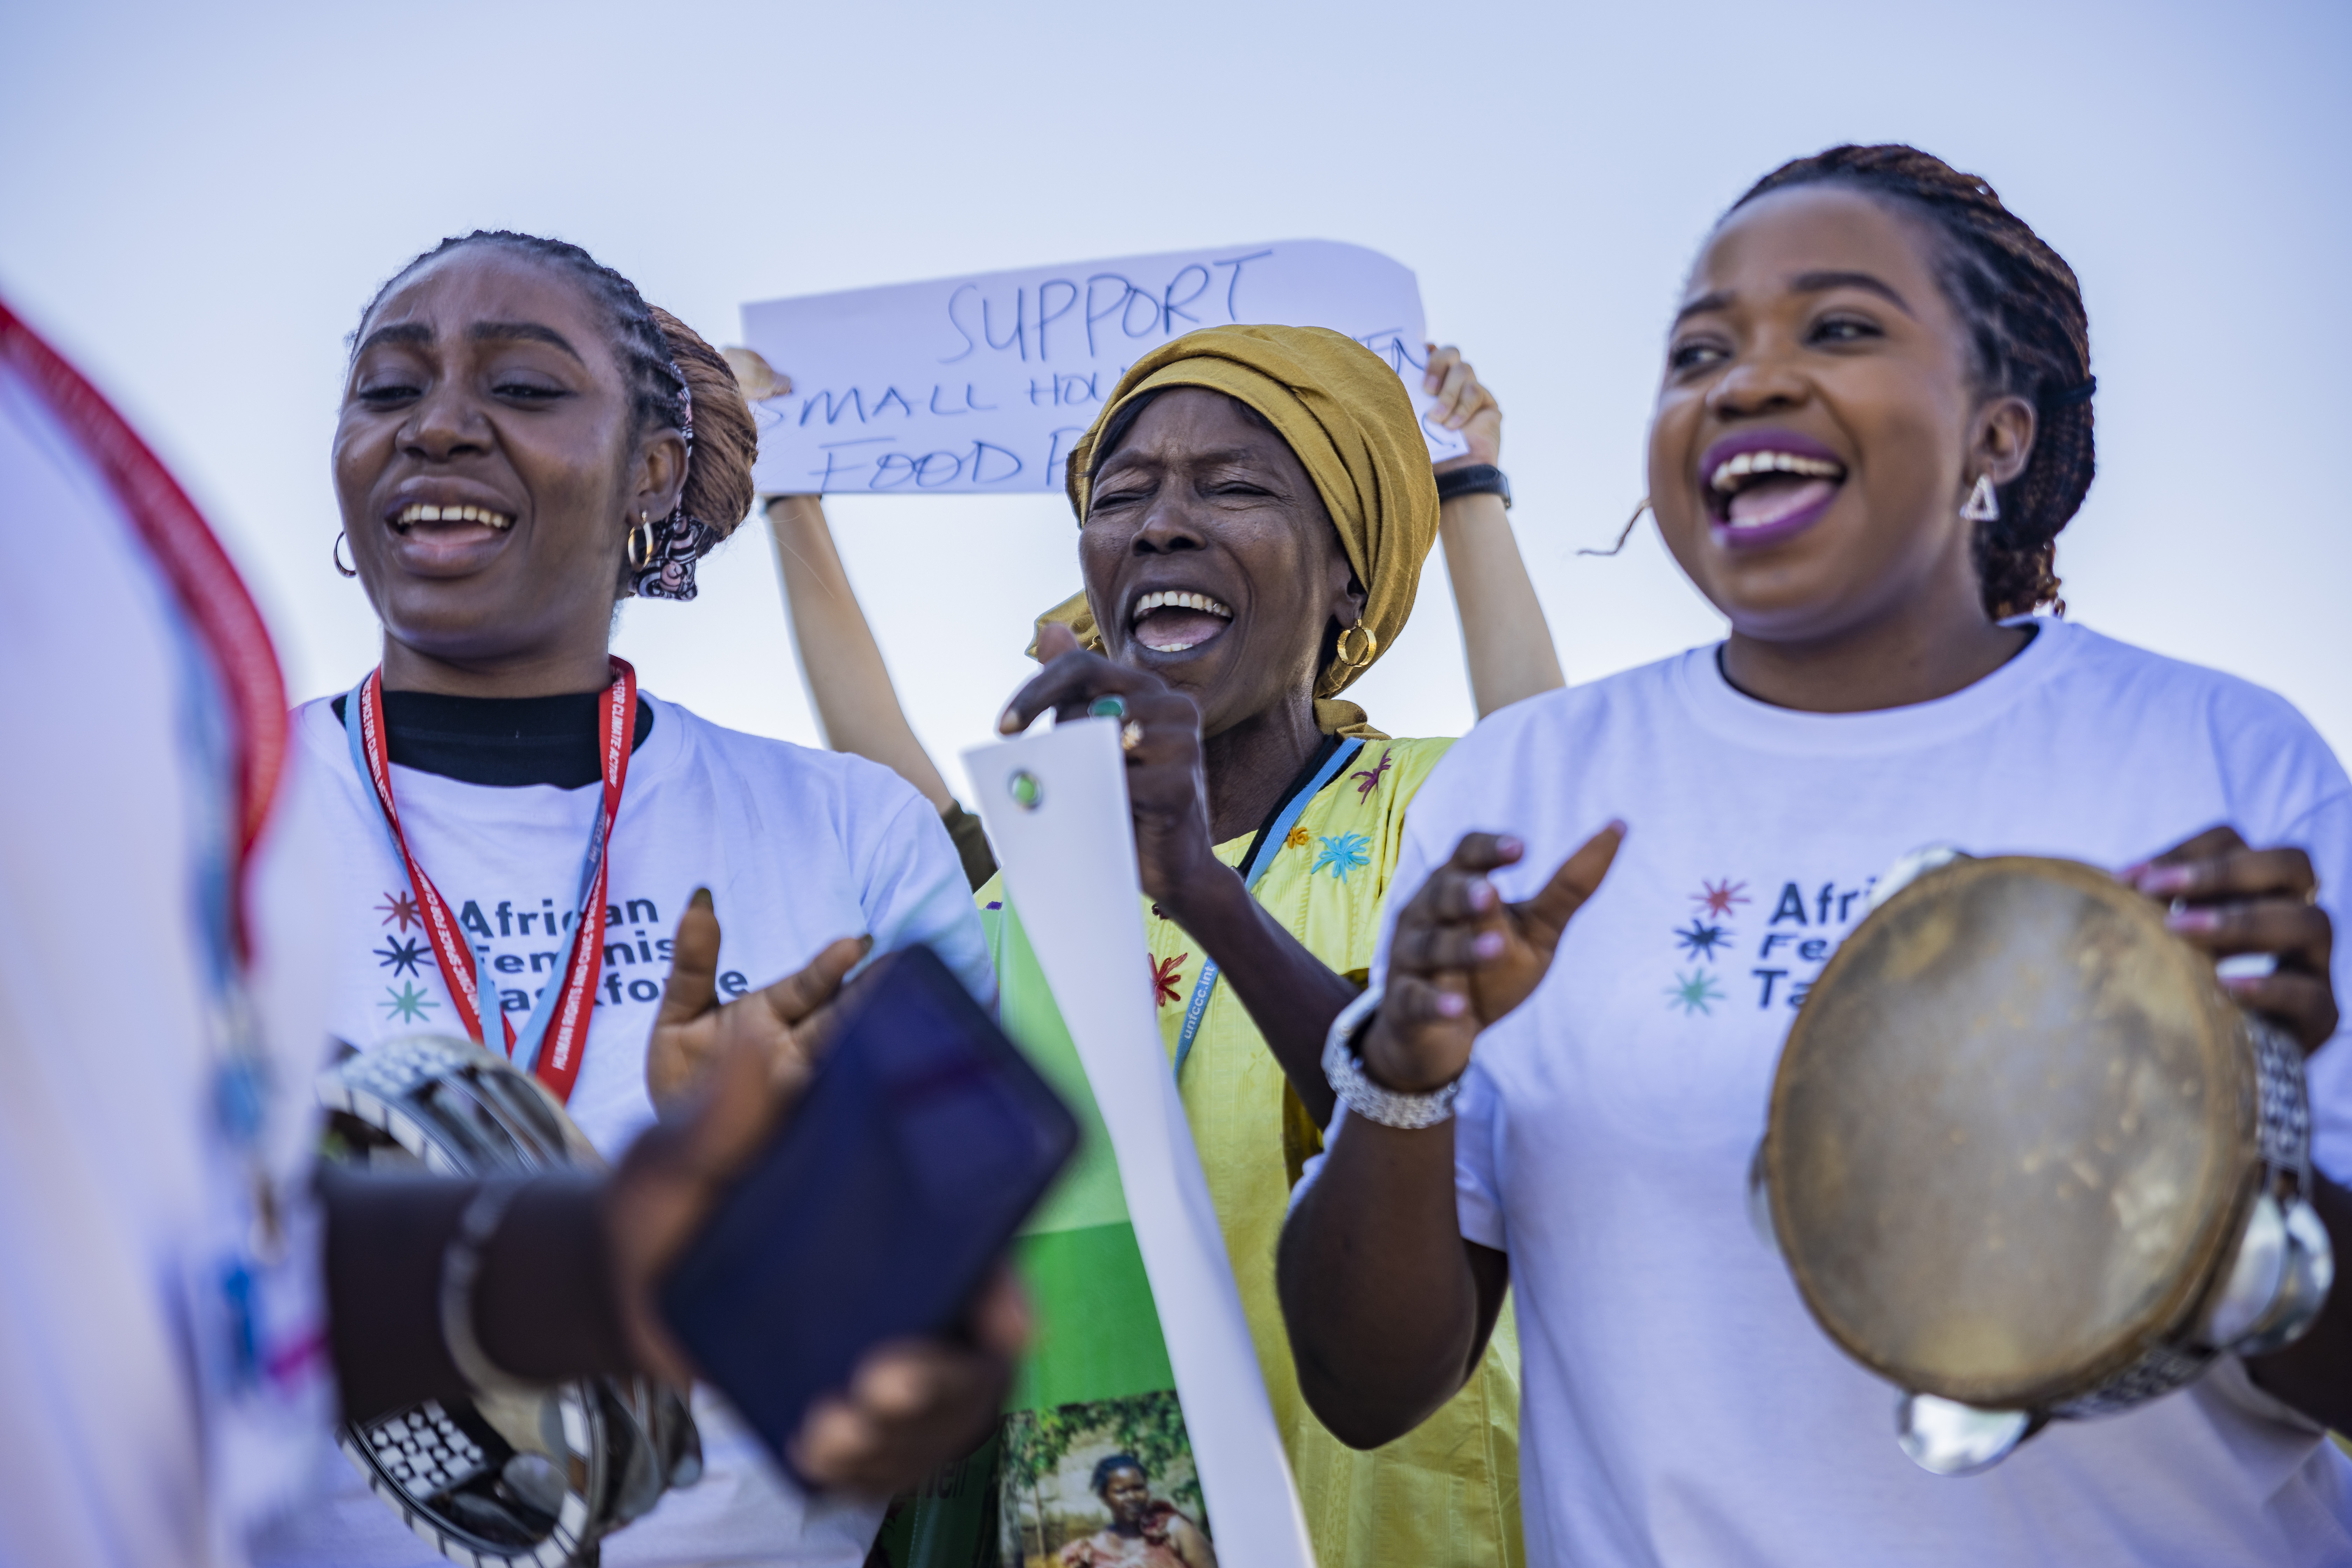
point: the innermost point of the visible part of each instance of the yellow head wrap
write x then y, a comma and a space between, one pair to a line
1346, 417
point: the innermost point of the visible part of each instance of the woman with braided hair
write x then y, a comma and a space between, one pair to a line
1875, 418
523, 443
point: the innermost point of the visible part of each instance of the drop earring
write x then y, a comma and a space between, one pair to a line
641, 543
335, 553
1982, 505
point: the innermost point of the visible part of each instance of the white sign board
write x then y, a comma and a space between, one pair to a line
983, 383
1067, 845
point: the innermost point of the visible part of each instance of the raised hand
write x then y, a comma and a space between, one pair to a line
692, 1030
757, 378
2229, 899
1462, 958
1167, 781
1463, 404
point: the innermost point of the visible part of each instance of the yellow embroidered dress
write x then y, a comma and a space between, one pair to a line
1446, 1493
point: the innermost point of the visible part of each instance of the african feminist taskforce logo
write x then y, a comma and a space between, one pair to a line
1731, 954
526, 946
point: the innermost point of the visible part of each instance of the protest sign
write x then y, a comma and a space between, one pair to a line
983, 383
1056, 809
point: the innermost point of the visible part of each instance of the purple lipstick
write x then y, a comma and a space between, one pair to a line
1763, 487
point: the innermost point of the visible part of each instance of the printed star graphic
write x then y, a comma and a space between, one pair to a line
1164, 976
1343, 853
1718, 897
402, 908
401, 957
1700, 941
408, 1004
1693, 992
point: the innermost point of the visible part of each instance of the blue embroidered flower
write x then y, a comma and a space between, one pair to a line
1345, 853
1700, 939
401, 957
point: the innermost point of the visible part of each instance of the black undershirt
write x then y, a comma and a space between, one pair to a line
502, 741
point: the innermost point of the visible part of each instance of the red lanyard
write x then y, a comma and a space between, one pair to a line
555, 1036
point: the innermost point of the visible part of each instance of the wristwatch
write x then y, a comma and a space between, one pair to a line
1360, 1094
1477, 479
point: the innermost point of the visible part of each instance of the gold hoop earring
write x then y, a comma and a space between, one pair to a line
335, 553
1370, 644
1982, 505
640, 546
1623, 534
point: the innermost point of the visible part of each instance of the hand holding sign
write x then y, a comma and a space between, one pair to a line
983, 383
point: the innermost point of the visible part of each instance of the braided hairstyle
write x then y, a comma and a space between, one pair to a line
677, 381
2029, 334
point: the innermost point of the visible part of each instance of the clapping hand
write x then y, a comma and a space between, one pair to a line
1462, 958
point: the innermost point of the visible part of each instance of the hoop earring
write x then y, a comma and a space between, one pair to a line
1982, 505
335, 553
1369, 644
640, 546
1623, 534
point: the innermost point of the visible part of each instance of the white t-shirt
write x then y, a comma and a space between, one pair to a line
1680, 1407
797, 846
142, 1424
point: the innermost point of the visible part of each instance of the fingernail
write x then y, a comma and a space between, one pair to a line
1506, 845
2133, 872
1006, 724
1489, 944
1617, 827
1451, 1005
702, 899
1483, 897
2194, 919
2158, 880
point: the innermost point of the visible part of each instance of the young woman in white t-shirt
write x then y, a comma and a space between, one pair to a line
524, 442
1917, 363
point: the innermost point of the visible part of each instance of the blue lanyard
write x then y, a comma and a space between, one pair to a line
1262, 853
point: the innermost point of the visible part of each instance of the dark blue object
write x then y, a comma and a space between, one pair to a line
923, 1140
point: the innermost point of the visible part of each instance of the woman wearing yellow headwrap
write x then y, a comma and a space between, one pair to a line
1255, 504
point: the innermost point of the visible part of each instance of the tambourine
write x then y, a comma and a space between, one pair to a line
2027, 1160
503, 1478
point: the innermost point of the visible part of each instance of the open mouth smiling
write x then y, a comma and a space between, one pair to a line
447, 537
1176, 621
408, 517
1764, 486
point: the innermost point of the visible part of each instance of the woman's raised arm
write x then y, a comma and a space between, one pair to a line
849, 687
1503, 634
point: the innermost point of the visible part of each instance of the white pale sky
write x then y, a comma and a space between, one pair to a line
196, 201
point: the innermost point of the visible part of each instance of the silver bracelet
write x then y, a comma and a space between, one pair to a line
1360, 1094
461, 1265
